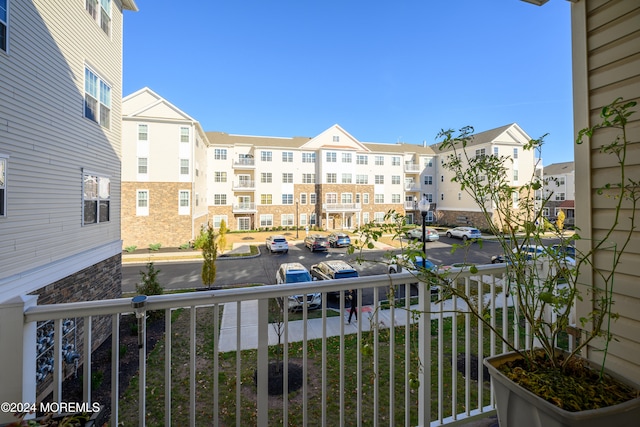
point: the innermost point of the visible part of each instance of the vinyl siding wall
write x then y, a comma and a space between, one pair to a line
49, 141
606, 38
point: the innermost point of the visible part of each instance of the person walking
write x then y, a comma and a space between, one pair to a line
354, 304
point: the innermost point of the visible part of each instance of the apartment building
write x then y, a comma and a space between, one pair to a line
164, 173
455, 206
559, 188
60, 141
330, 181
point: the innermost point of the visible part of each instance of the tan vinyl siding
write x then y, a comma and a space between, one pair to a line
607, 33
49, 141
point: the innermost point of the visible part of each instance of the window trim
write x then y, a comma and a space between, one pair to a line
102, 102
3, 185
4, 26
142, 210
102, 180
184, 210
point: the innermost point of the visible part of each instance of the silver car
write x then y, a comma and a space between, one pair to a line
464, 233
430, 234
277, 243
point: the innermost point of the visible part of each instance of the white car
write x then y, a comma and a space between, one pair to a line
430, 234
277, 243
464, 233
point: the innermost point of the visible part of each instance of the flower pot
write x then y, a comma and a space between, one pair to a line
520, 408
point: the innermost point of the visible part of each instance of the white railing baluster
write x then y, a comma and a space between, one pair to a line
192, 365
407, 354
263, 362
167, 367
216, 365
86, 369
115, 363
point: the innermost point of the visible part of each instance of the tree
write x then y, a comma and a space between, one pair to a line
209, 253
222, 236
560, 220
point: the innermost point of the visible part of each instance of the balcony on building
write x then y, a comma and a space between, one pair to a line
245, 207
410, 167
244, 163
244, 185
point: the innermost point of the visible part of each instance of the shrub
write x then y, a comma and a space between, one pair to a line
155, 246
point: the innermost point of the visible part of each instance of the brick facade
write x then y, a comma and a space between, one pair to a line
163, 224
100, 281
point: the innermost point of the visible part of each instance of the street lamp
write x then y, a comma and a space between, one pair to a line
424, 206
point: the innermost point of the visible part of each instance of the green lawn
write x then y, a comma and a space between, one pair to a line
227, 377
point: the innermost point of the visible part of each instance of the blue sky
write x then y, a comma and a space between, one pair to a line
385, 71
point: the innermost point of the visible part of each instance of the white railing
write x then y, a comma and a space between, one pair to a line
332, 352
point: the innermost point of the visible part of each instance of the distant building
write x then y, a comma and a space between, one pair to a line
455, 206
559, 187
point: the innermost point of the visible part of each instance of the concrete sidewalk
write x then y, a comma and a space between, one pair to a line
249, 325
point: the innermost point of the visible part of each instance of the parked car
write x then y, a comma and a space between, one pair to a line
430, 234
339, 240
316, 242
402, 262
277, 243
332, 269
464, 233
536, 251
294, 272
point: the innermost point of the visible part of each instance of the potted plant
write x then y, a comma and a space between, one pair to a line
538, 383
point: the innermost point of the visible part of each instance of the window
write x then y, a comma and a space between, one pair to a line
515, 153
362, 179
308, 178
220, 177
560, 181
346, 157
429, 197
442, 196
185, 134
312, 220
357, 197
459, 195
184, 166
142, 203
515, 174
559, 196
313, 198
217, 220
545, 212
3, 187
287, 199
143, 168
219, 199
516, 200
266, 177
362, 159
379, 161
303, 219
346, 198
96, 198
395, 179
496, 151
287, 157
102, 15
183, 202
266, 156
332, 178
378, 198
286, 220
365, 198
266, 199
331, 198
480, 152
379, 179
378, 217
303, 198
308, 157
97, 99
266, 220
395, 161
428, 163
143, 133
220, 154
395, 198
336, 138
3, 25
331, 157
346, 178
287, 178
428, 180
365, 217
441, 178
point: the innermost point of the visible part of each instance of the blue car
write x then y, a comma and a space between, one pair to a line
339, 240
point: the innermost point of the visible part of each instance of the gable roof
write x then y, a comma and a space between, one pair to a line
559, 168
147, 104
511, 134
327, 139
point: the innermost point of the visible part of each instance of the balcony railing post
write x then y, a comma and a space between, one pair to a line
424, 349
18, 344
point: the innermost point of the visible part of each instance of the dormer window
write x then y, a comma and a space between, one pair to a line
336, 138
